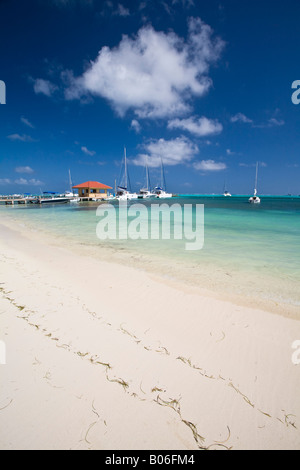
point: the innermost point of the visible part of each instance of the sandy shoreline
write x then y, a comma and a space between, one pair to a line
105, 356
274, 292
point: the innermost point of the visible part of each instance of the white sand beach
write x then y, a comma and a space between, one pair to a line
102, 355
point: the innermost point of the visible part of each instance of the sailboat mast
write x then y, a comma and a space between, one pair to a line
126, 176
147, 176
70, 181
256, 180
163, 179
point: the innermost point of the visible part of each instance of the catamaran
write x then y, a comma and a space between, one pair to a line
160, 191
122, 193
255, 199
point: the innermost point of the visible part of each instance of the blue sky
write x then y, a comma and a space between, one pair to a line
207, 86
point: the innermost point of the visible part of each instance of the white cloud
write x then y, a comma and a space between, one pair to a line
25, 182
276, 122
21, 138
121, 11
24, 170
44, 87
4, 181
201, 127
230, 153
185, 3
241, 118
85, 150
21, 182
209, 165
273, 122
172, 152
135, 125
70, 3
27, 122
253, 165
155, 73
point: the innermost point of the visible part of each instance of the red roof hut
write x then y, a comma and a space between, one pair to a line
92, 190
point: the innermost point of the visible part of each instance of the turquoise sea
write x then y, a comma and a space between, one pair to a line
249, 250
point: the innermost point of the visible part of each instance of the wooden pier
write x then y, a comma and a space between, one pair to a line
11, 201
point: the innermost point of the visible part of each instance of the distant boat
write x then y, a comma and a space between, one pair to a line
226, 193
51, 198
145, 192
160, 191
122, 193
255, 199
70, 194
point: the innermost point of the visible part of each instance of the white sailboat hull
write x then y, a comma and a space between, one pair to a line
254, 200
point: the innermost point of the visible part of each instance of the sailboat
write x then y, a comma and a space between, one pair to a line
160, 191
255, 199
145, 192
70, 194
226, 193
122, 192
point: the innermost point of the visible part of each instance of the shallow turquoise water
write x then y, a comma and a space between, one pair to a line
252, 240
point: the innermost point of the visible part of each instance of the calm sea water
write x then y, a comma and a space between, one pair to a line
253, 248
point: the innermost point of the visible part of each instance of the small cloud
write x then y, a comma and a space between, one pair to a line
44, 87
21, 138
35, 182
172, 152
135, 125
241, 118
200, 127
71, 3
273, 122
230, 153
27, 123
25, 182
24, 170
276, 122
21, 182
209, 165
85, 150
252, 165
121, 11
4, 181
